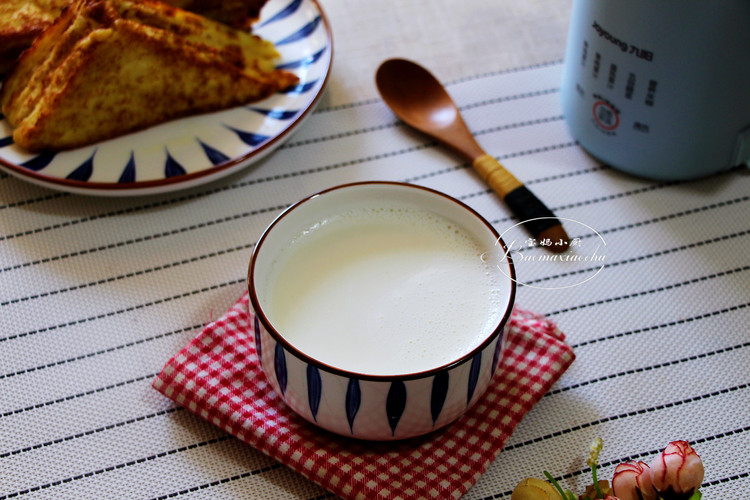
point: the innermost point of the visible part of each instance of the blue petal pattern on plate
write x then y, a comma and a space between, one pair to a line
128, 173
314, 390
299, 89
439, 393
214, 155
39, 162
286, 12
250, 138
303, 32
135, 164
305, 61
84, 170
277, 113
395, 404
353, 400
279, 366
172, 168
476, 364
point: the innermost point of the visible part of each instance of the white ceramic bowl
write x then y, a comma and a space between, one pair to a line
363, 405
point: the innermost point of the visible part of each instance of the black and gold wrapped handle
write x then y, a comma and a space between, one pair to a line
540, 221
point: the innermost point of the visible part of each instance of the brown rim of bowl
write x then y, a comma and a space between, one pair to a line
93, 187
258, 311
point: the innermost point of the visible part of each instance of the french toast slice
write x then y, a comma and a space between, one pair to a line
21, 21
22, 89
109, 67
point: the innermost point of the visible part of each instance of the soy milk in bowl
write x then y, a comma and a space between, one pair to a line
381, 308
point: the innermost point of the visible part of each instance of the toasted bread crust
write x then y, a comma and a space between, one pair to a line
121, 66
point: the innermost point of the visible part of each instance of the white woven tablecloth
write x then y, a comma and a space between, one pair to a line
97, 294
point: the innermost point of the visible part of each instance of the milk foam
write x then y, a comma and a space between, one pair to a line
384, 291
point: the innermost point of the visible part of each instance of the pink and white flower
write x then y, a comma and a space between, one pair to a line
632, 481
677, 471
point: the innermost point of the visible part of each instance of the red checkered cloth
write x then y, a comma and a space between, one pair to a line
217, 376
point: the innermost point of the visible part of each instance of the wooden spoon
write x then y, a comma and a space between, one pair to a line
418, 99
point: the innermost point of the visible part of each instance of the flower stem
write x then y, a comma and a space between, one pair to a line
599, 493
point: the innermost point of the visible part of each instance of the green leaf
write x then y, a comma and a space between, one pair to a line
553, 482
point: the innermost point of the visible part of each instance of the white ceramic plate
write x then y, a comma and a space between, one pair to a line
195, 150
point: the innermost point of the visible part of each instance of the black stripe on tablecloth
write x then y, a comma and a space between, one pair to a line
109, 427
642, 293
132, 274
128, 309
640, 258
225, 480
130, 463
662, 218
31, 201
633, 413
643, 369
667, 324
100, 352
79, 395
485, 192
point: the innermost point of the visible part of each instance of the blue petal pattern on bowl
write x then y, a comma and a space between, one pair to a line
314, 390
496, 355
258, 348
353, 400
136, 161
439, 393
279, 366
476, 363
395, 404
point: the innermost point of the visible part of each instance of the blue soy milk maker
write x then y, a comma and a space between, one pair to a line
658, 88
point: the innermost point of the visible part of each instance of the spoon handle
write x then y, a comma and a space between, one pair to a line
538, 219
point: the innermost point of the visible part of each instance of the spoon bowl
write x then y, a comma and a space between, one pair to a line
420, 101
